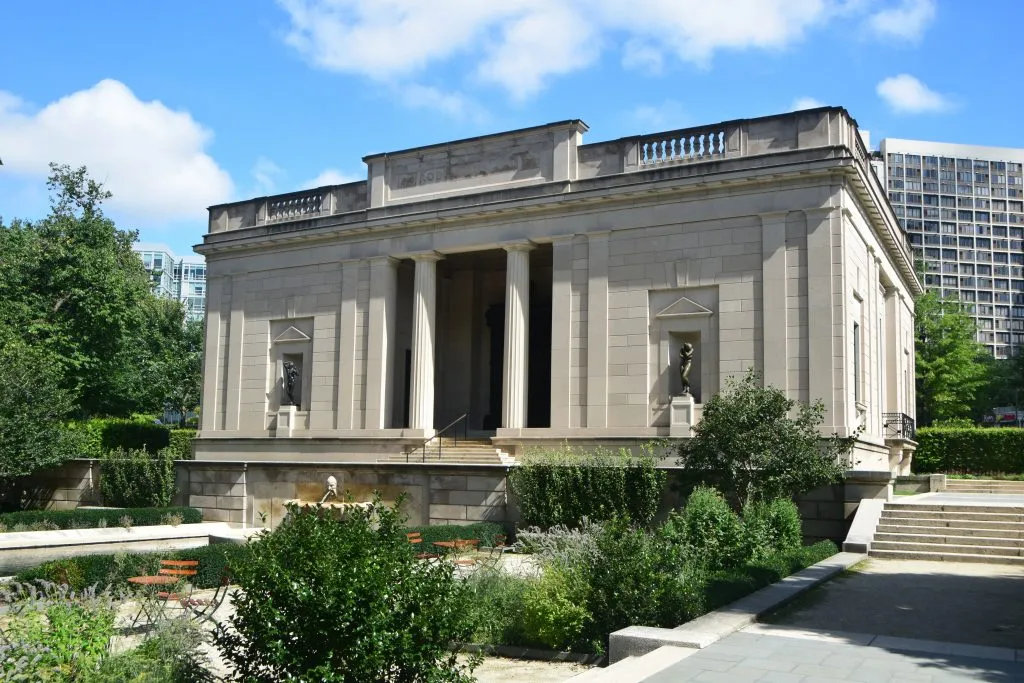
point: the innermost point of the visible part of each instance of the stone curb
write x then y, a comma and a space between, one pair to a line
705, 630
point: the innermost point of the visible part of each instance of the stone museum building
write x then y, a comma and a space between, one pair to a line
533, 289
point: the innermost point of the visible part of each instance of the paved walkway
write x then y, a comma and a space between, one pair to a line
888, 620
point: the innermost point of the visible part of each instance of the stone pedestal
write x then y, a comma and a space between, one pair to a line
285, 421
681, 417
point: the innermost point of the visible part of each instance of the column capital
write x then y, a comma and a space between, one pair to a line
428, 257
562, 239
773, 216
821, 212
524, 245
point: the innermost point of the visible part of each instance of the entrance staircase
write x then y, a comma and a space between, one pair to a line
951, 532
452, 452
984, 486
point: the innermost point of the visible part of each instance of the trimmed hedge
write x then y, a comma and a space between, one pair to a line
482, 531
973, 450
180, 444
89, 518
725, 587
115, 569
103, 434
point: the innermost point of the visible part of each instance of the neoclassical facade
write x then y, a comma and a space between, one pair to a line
543, 287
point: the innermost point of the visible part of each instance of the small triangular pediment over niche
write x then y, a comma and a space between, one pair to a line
683, 307
291, 335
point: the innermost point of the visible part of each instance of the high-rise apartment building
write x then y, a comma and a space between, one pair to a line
182, 279
962, 207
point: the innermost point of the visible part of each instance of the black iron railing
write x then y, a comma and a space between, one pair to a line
451, 429
898, 426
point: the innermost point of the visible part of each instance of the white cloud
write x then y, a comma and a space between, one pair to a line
453, 104
655, 117
801, 103
908, 20
906, 95
642, 56
520, 44
331, 176
266, 173
150, 157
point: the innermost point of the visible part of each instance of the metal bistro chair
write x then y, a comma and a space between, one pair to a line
203, 608
177, 573
415, 538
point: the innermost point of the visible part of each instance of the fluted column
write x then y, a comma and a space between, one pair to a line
517, 319
424, 314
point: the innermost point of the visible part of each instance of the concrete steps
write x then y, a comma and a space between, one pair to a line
951, 533
636, 669
471, 452
984, 486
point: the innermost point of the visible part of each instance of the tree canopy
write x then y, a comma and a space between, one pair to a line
749, 447
81, 332
951, 365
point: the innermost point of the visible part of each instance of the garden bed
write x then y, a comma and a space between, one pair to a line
21, 550
115, 569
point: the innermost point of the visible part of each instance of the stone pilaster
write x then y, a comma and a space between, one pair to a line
561, 332
517, 317
773, 297
424, 320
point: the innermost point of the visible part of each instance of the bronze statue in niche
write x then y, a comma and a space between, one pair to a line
685, 363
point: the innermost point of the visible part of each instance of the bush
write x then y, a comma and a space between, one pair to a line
103, 434
344, 600
180, 444
554, 609
56, 635
568, 485
637, 578
497, 606
770, 528
115, 569
710, 533
973, 450
134, 478
748, 447
722, 588
92, 518
170, 654
480, 531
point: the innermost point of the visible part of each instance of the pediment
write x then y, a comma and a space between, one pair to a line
292, 334
682, 308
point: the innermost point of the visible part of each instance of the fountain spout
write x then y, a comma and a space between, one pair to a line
332, 489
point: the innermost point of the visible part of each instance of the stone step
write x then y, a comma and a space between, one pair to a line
944, 555
953, 483
996, 530
949, 548
636, 669
954, 507
958, 515
946, 539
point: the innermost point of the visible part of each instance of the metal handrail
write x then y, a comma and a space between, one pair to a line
439, 433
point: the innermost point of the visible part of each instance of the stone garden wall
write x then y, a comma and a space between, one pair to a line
254, 494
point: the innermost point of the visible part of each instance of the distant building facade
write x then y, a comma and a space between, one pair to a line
182, 279
544, 288
962, 207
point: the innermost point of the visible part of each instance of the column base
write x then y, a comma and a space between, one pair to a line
681, 417
285, 421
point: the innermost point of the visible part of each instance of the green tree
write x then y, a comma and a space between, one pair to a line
184, 370
34, 407
72, 286
950, 365
747, 446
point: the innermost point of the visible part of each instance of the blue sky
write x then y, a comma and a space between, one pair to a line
176, 106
